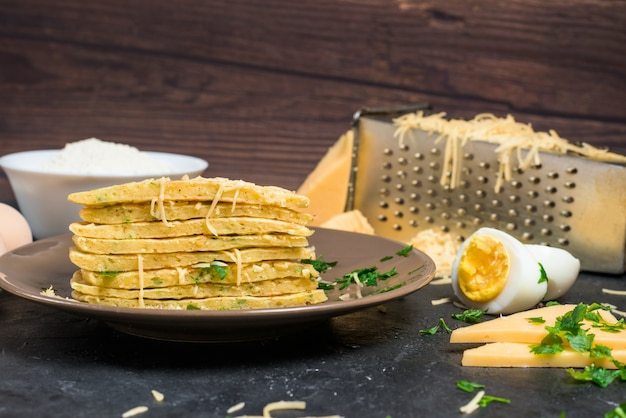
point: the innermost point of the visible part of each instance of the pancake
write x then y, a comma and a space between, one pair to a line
129, 262
219, 303
221, 226
196, 189
224, 273
273, 287
181, 210
193, 243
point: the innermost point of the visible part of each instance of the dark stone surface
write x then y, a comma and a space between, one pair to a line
368, 364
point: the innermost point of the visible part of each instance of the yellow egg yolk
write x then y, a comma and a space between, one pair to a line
483, 268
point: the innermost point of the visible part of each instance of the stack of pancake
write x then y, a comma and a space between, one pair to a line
201, 243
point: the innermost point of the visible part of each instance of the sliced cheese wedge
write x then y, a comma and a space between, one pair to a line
519, 355
327, 185
517, 328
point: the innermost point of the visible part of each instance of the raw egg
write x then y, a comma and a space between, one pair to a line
495, 272
14, 230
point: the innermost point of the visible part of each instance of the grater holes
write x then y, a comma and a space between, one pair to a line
401, 174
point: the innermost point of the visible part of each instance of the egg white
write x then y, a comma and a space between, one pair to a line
561, 267
523, 288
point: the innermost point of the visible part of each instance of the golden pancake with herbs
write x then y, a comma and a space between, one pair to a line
216, 272
186, 244
183, 210
219, 303
220, 226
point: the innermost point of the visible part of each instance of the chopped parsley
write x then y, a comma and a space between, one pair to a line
536, 320
619, 412
569, 328
369, 276
468, 386
433, 330
404, 252
386, 258
543, 276
470, 316
484, 400
320, 264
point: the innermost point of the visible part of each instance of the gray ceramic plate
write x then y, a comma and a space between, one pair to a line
44, 263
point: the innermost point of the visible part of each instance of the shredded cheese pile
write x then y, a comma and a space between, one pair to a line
511, 136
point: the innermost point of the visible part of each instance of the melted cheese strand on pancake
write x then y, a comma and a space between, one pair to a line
141, 279
239, 265
216, 199
159, 203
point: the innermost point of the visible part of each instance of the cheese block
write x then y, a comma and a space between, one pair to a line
327, 185
507, 354
517, 328
351, 221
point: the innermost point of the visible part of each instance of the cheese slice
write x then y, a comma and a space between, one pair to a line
517, 328
503, 354
327, 185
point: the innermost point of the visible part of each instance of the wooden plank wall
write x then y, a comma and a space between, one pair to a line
264, 87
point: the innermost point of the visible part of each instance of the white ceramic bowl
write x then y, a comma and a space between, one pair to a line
42, 195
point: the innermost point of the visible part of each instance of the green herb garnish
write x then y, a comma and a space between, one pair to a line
536, 320
369, 276
433, 330
404, 252
470, 316
468, 386
320, 264
543, 276
569, 327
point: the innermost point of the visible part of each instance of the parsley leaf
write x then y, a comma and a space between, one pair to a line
320, 264
598, 375
486, 400
468, 386
470, 316
543, 276
536, 320
404, 252
433, 330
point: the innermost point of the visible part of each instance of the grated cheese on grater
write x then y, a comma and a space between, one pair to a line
511, 136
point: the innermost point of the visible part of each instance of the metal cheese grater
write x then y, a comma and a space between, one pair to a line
567, 202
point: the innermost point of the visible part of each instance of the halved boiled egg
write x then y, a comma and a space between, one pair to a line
495, 272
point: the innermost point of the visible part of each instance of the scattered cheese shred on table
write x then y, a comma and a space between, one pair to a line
280, 406
235, 408
158, 396
472, 405
135, 411
441, 301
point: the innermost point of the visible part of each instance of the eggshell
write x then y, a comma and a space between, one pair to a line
14, 229
561, 267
